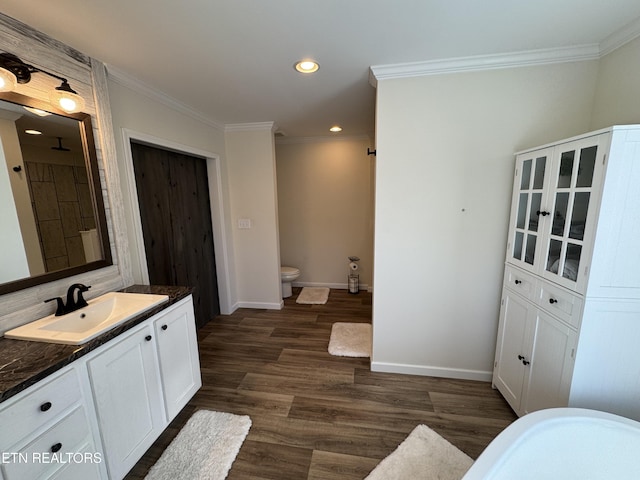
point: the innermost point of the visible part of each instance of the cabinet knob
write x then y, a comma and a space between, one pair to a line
56, 448
45, 406
164, 327
518, 282
148, 338
552, 301
523, 360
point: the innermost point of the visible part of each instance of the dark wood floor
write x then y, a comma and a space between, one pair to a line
316, 416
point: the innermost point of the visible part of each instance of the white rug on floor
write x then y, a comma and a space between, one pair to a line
424, 455
350, 340
204, 449
313, 295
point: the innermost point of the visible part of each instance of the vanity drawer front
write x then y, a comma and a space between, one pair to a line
520, 282
52, 448
39, 404
560, 303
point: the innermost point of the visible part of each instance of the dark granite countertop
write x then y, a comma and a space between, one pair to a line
23, 363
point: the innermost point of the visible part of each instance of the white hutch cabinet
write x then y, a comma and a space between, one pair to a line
569, 328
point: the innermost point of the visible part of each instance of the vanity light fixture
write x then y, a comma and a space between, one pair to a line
335, 129
14, 71
306, 66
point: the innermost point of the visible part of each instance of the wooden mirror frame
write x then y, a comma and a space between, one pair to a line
91, 162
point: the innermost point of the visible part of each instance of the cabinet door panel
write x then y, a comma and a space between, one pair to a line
508, 376
528, 208
552, 358
128, 399
575, 181
178, 354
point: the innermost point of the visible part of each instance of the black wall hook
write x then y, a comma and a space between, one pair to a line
17, 168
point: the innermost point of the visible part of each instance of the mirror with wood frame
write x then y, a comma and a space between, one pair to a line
52, 217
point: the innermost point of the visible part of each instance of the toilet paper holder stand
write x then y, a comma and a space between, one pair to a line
353, 278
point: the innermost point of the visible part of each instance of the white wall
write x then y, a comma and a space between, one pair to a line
13, 256
325, 208
617, 99
445, 146
253, 194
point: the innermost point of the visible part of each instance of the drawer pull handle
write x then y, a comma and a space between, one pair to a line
148, 338
56, 448
164, 327
518, 282
552, 301
45, 406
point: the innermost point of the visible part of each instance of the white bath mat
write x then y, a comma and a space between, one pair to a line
350, 339
204, 449
313, 295
423, 455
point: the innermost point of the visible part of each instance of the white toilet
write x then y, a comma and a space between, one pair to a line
288, 275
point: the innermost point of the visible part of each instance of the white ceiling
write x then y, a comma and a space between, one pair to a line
232, 60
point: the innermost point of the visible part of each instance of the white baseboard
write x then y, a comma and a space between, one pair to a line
259, 305
337, 286
427, 371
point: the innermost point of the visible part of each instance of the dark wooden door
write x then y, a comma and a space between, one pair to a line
175, 211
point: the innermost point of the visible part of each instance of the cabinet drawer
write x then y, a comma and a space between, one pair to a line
51, 449
43, 403
520, 282
86, 465
560, 303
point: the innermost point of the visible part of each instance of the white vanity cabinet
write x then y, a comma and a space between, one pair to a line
141, 380
572, 276
178, 356
95, 418
49, 431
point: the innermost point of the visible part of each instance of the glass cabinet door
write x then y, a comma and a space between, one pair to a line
572, 188
528, 189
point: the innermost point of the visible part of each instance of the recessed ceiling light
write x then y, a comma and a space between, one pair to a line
306, 66
335, 128
33, 132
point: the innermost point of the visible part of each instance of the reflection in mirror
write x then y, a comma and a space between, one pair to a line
53, 223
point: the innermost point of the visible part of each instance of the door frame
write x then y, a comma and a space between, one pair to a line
216, 198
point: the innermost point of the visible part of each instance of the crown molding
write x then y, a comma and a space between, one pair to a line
126, 80
617, 39
484, 62
245, 127
323, 139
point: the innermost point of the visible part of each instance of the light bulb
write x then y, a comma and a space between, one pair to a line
306, 66
8, 81
67, 101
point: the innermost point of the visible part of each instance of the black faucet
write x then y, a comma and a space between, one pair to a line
73, 304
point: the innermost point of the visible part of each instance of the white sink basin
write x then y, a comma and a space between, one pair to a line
76, 328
